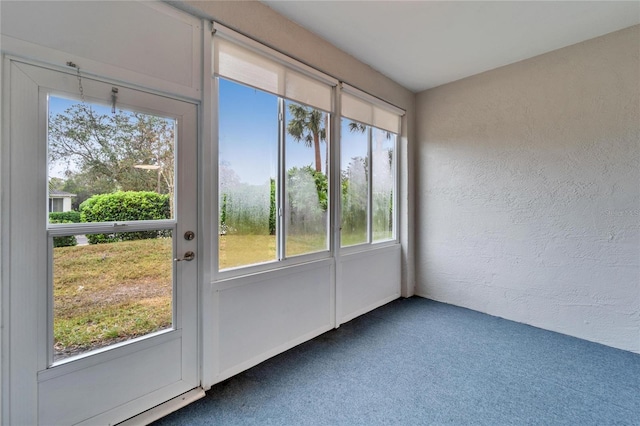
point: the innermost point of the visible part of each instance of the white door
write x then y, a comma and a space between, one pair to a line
101, 310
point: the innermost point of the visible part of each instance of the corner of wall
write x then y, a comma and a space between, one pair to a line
527, 191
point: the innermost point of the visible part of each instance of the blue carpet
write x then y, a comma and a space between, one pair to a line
415, 361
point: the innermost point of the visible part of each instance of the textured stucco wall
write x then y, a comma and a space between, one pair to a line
528, 191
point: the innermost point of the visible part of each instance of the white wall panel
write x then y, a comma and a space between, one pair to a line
368, 280
146, 43
263, 315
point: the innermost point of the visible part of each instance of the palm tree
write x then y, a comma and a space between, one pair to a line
308, 125
354, 126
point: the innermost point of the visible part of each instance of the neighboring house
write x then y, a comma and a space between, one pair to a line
60, 201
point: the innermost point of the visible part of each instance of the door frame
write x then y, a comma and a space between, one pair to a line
25, 329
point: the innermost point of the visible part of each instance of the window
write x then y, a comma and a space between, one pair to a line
369, 131
383, 184
307, 183
55, 204
247, 173
273, 154
354, 155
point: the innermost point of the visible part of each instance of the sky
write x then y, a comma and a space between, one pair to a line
248, 135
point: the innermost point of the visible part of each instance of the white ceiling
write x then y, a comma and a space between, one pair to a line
423, 44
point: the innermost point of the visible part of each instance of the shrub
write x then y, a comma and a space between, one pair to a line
67, 241
272, 208
124, 206
64, 217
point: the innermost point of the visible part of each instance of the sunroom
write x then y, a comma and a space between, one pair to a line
244, 186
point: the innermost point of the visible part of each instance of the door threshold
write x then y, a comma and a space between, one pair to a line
165, 409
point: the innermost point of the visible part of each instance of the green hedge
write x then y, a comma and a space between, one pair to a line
64, 217
124, 206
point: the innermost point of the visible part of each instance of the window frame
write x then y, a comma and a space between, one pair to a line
370, 208
54, 203
283, 188
387, 113
376, 105
396, 186
281, 260
367, 133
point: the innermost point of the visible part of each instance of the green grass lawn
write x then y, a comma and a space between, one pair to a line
107, 293
241, 250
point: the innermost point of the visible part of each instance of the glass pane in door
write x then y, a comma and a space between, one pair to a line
110, 292
108, 165
95, 150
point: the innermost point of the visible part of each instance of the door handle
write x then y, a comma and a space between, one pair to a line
188, 256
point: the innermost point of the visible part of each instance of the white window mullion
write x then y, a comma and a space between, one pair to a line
335, 178
281, 181
396, 189
369, 186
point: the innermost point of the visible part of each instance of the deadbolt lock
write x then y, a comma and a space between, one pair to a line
189, 235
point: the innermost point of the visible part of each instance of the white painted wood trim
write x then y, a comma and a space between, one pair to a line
208, 208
